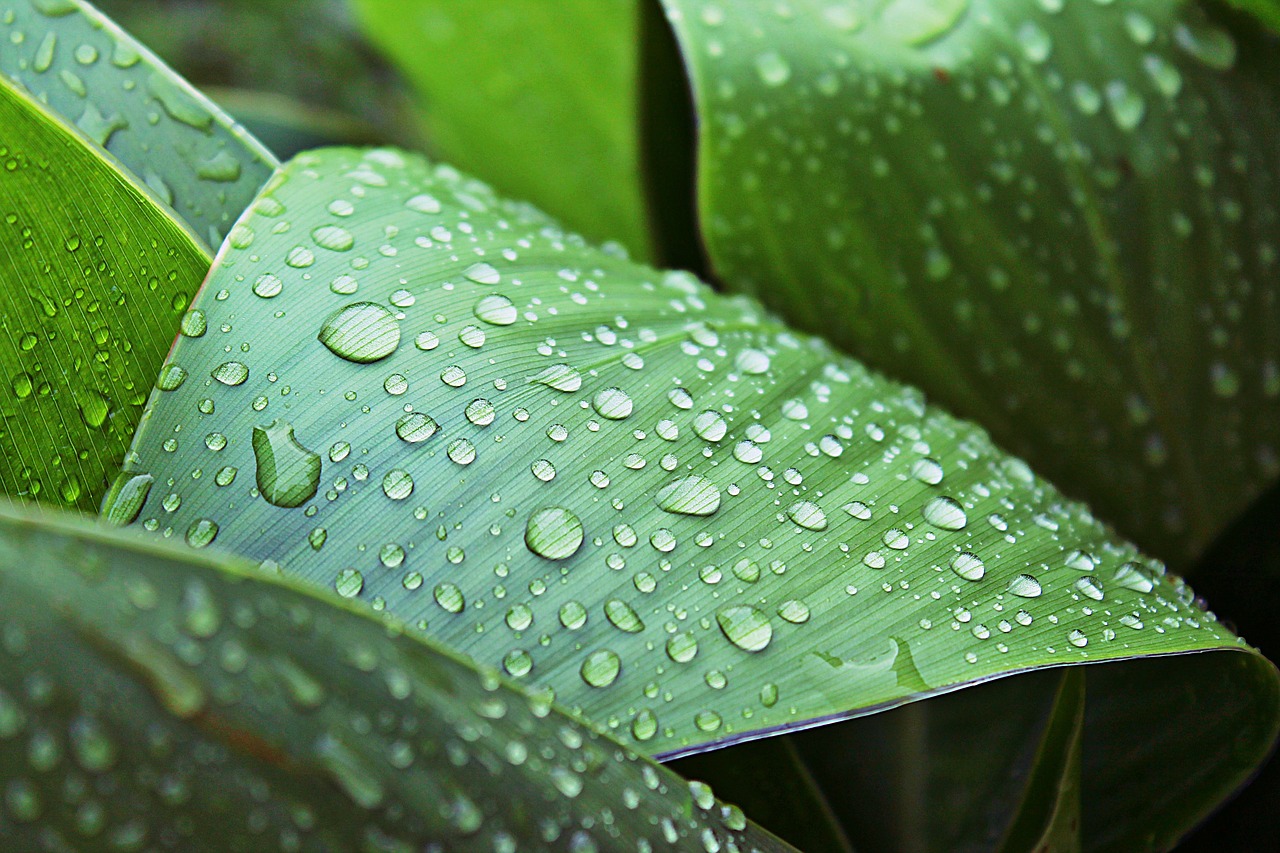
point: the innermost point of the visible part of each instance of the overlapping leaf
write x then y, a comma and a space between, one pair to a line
155, 700
94, 275
691, 524
66, 55
1058, 218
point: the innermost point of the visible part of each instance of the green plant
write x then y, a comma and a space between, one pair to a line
624, 514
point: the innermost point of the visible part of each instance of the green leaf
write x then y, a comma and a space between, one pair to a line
1267, 11
547, 105
1058, 219
188, 702
1049, 820
94, 275
694, 526
68, 56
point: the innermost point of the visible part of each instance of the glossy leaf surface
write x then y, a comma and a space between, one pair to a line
68, 56
693, 525
151, 699
1057, 218
95, 273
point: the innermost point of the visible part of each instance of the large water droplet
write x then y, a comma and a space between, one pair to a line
415, 427
554, 533
561, 377
288, 474
692, 495
968, 566
362, 332
746, 627
612, 403
622, 616
1025, 586
945, 513
808, 515
601, 668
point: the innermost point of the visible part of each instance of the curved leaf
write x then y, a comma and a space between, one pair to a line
544, 101
94, 275
693, 525
1060, 219
83, 67
190, 703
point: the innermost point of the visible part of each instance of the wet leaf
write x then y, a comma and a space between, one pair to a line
151, 698
95, 274
500, 413
69, 57
1059, 220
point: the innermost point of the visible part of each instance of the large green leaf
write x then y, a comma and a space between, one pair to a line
544, 100
1060, 219
94, 275
693, 525
151, 699
66, 55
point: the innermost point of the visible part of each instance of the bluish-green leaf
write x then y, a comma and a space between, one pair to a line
1059, 219
68, 56
151, 699
694, 526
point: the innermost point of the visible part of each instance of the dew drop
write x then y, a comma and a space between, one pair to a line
362, 332
553, 533
692, 495
745, 626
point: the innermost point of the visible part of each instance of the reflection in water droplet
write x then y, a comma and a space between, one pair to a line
288, 474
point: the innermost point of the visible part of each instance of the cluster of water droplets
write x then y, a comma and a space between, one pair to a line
648, 499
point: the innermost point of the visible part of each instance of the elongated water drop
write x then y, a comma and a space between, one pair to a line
288, 474
362, 332
691, 495
745, 626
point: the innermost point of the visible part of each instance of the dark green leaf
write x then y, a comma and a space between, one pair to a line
151, 699
1060, 219
95, 273
66, 55
693, 525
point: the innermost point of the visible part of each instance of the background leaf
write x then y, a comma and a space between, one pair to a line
1059, 219
297, 73
418, 381
546, 105
192, 156
187, 702
94, 275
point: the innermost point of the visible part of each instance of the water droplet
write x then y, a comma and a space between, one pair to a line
449, 597
601, 668
496, 310
1089, 588
333, 238
415, 427
968, 566
231, 373
710, 426
171, 378
927, 471
482, 273
682, 647
808, 515
794, 611
1078, 639
462, 451
125, 499
772, 68
745, 626
561, 377
622, 616
553, 533
201, 532
1131, 576
1025, 586
691, 495
612, 403
362, 332
288, 474
945, 513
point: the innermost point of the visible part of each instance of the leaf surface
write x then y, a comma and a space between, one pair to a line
68, 56
694, 526
186, 702
1059, 219
95, 273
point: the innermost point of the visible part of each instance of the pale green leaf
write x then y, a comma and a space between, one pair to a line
693, 525
1059, 219
95, 273
160, 700
68, 56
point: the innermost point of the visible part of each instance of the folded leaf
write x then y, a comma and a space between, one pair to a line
95, 273
1059, 219
68, 56
693, 525
160, 700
